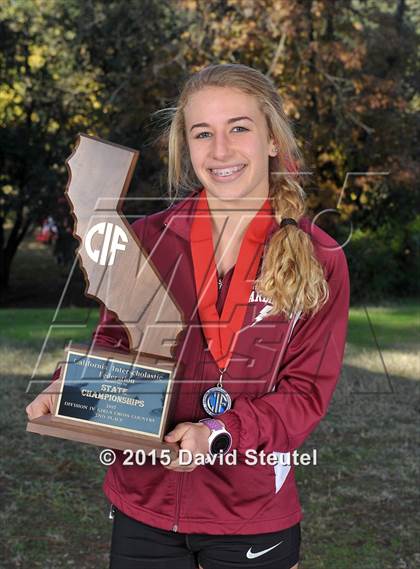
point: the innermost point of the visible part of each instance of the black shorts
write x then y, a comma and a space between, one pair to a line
135, 545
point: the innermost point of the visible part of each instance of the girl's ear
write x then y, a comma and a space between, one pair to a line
274, 149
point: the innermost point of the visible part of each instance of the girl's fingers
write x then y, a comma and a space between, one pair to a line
41, 405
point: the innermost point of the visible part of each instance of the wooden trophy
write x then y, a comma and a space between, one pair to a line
105, 397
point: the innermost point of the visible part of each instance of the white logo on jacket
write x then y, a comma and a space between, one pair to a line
281, 469
265, 310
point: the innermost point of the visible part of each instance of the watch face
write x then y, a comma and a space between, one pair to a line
220, 444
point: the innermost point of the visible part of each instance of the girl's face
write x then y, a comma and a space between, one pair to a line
229, 143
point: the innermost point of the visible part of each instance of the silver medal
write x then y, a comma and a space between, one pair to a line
216, 400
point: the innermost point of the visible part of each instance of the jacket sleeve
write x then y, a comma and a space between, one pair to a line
282, 419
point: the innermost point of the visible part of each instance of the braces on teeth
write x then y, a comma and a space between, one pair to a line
227, 171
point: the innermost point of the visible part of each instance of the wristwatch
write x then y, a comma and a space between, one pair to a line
220, 440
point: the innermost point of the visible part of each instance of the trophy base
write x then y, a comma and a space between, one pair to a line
96, 435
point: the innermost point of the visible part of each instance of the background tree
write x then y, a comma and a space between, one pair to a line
66, 67
47, 94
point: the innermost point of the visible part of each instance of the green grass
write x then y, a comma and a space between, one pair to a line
390, 326
32, 325
359, 502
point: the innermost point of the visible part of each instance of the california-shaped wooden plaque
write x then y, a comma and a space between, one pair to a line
108, 397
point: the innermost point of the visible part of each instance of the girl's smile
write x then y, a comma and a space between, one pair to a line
228, 173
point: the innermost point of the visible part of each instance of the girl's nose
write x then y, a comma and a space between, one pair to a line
220, 147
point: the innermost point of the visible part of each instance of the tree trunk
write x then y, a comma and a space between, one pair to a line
9, 249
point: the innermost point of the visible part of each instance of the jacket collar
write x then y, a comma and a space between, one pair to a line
179, 216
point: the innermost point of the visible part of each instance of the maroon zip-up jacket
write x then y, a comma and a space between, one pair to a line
280, 393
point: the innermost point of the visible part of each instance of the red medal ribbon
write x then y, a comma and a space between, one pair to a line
222, 332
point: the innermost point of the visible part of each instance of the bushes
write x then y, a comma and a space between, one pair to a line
384, 263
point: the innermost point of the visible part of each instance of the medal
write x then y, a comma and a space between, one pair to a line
221, 332
216, 400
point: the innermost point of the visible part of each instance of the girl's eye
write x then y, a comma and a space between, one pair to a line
206, 134
202, 133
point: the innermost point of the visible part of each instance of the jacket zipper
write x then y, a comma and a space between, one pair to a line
178, 501
220, 283
182, 477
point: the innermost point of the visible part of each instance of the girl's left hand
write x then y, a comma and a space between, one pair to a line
193, 437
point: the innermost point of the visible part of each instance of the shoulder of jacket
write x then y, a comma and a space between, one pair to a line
155, 219
154, 222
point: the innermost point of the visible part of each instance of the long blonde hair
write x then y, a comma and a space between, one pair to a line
291, 276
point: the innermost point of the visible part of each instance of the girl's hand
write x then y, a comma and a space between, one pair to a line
43, 403
190, 436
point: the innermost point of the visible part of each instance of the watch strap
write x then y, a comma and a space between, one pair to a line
213, 424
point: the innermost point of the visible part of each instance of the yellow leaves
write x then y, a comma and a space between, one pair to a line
7, 189
10, 101
414, 104
6, 95
37, 57
78, 121
35, 62
94, 100
190, 5
333, 154
19, 90
52, 126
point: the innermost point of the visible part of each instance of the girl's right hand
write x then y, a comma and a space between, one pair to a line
43, 403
